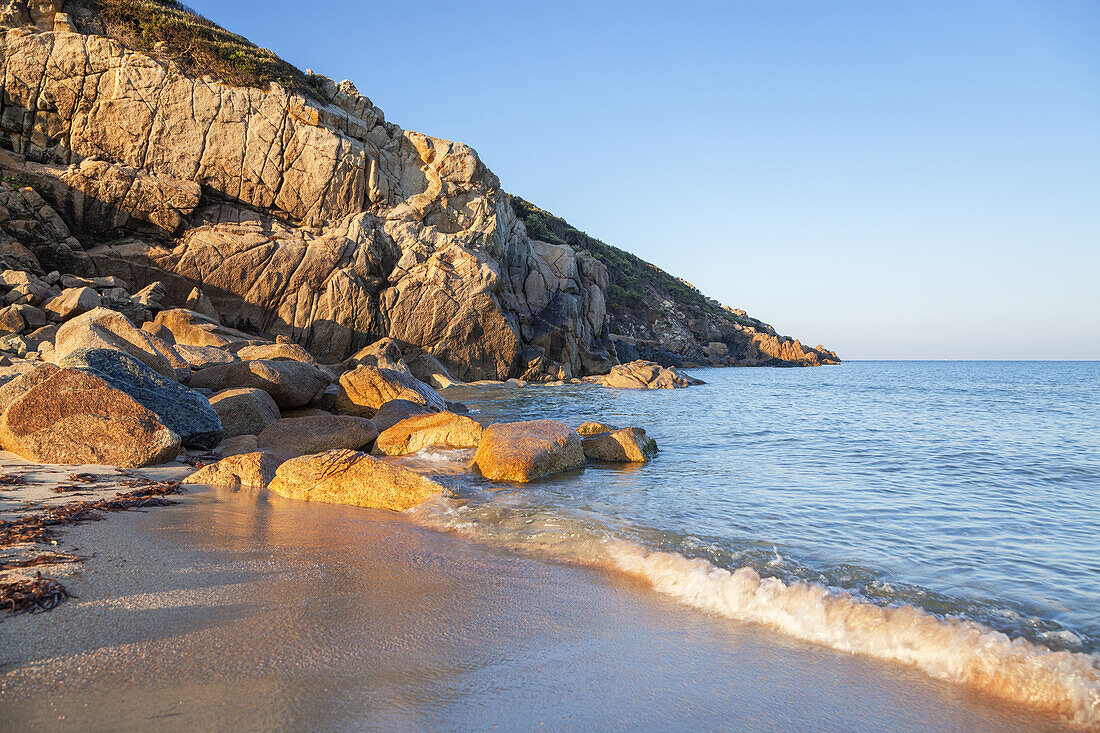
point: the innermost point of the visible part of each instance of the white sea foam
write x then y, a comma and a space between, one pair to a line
1061, 682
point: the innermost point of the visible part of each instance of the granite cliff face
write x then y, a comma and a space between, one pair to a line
297, 208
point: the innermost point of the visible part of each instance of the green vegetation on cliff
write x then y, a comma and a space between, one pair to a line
636, 287
170, 30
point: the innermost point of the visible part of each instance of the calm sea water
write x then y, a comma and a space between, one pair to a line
968, 489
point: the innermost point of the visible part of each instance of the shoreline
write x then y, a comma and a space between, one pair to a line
258, 609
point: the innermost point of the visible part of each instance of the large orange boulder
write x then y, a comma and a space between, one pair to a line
70, 416
524, 451
351, 477
442, 429
366, 388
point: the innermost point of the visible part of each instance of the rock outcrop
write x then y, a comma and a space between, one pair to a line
645, 375
292, 210
654, 316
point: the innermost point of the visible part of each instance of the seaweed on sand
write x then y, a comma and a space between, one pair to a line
33, 595
38, 526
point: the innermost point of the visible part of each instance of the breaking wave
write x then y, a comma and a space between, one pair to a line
946, 647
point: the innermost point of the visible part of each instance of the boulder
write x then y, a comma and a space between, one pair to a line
13, 278
72, 417
15, 344
105, 329
430, 370
203, 357
71, 302
366, 388
34, 293
628, 445
394, 411
9, 372
594, 428
383, 353
159, 330
645, 375
151, 296
523, 451
236, 446
358, 479
11, 320
317, 433
168, 351
286, 352
195, 329
241, 471
186, 412
443, 429
244, 411
290, 383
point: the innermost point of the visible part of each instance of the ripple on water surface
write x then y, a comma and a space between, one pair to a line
951, 506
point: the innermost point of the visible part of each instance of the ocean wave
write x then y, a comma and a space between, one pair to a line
953, 649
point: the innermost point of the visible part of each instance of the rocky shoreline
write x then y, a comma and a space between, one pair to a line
223, 408
260, 276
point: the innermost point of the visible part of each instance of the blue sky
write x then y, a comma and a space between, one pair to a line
894, 180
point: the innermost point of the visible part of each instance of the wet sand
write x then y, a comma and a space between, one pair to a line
234, 610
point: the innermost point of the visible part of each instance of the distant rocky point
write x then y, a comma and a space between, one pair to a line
141, 142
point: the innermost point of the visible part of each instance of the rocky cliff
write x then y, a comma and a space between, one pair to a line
146, 143
653, 315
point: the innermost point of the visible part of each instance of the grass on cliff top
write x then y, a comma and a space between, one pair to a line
169, 29
632, 280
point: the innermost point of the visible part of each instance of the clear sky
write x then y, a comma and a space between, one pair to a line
894, 180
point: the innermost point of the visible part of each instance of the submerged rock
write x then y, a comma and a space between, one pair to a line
70, 416
184, 410
443, 429
350, 477
524, 451
628, 445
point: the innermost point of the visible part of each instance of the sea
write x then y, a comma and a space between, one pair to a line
941, 515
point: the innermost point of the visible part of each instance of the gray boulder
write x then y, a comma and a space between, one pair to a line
184, 411
244, 411
290, 383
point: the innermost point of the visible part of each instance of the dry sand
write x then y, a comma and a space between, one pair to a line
246, 611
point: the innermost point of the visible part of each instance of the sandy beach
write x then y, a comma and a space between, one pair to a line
251, 611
